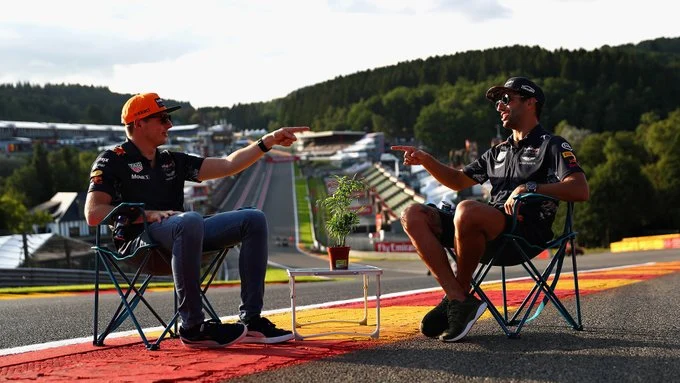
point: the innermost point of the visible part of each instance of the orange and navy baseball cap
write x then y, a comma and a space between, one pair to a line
143, 105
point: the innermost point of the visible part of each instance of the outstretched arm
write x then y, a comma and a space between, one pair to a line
452, 178
241, 159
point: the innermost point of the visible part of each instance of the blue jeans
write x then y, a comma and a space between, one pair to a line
189, 234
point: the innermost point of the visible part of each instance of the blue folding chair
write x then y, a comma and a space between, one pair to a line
151, 261
562, 245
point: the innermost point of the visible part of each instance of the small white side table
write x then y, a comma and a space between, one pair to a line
364, 270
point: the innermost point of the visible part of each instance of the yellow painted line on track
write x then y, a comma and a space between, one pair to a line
6, 297
583, 284
632, 272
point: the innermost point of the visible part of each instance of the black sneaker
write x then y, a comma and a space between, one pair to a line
261, 330
461, 317
212, 334
435, 321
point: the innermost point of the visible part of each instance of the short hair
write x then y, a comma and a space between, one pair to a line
129, 128
538, 105
539, 109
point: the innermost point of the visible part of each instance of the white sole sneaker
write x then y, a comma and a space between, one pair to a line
480, 311
209, 343
258, 337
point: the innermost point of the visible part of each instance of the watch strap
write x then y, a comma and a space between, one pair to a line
531, 186
262, 146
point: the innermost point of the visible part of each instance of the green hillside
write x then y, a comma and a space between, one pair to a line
605, 89
618, 106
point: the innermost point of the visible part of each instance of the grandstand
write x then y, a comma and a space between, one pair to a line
17, 135
392, 195
324, 144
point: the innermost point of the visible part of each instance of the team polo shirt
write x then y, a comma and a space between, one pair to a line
539, 157
127, 176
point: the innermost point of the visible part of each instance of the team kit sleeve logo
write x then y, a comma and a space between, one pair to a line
119, 150
568, 155
98, 168
96, 176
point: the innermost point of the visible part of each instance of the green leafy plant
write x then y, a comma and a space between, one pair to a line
340, 219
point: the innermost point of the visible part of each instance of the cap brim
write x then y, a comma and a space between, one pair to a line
496, 92
172, 109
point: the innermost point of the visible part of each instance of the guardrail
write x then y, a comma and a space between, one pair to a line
25, 276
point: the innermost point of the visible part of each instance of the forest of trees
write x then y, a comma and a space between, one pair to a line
68, 103
606, 89
619, 106
24, 184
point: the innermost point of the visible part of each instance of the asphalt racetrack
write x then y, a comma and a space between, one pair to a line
630, 303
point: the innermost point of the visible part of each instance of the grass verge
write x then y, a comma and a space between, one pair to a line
273, 275
302, 200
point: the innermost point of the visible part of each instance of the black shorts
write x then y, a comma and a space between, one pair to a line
535, 234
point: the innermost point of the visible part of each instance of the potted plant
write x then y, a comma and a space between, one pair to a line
340, 219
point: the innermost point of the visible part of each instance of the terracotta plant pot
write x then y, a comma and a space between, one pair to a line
338, 257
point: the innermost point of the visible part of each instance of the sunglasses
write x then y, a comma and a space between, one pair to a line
506, 99
162, 118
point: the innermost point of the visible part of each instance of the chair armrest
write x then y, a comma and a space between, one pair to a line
567, 233
132, 210
527, 198
124, 208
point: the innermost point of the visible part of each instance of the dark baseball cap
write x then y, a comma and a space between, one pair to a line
521, 85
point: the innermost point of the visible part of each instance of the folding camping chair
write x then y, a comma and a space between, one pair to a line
563, 244
150, 261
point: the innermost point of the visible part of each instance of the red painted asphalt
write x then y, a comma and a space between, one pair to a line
126, 359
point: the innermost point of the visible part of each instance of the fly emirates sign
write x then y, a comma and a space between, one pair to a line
394, 247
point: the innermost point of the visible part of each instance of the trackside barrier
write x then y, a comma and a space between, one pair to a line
653, 242
25, 276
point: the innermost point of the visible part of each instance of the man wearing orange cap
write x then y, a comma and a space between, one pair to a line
136, 171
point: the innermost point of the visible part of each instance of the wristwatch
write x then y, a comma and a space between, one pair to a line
262, 146
531, 187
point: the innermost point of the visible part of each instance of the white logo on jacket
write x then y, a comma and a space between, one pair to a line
136, 167
500, 159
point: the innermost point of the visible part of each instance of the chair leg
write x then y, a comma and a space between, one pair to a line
494, 311
210, 274
126, 304
554, 262
505, 295
476, 282
176, 299
549, 293
579, 323
95, 326
119, 316
521, 315
167, 330
513, 326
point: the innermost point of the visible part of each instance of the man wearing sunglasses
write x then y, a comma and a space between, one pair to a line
137, 171
530, 160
